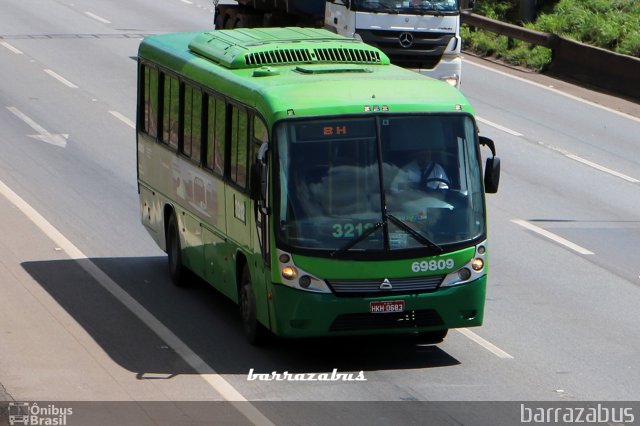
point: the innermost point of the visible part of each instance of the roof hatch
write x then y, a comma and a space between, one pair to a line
254, 48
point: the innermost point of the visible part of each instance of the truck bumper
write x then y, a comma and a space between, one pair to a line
449, 69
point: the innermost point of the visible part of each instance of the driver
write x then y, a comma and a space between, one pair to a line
422, 173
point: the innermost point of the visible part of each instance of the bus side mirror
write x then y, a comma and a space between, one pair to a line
258, 184
492, 167
256, 181
492, 175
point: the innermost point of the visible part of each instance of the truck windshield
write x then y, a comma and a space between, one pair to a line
385, 183
405, 6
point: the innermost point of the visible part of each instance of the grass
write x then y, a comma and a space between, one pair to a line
610, 24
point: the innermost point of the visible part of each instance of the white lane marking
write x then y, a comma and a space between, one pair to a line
122, 118
550, 235
186, 1
499, 127
60, 78
224, 388
602, 168
97, 18
484, 343
556, 91
43, 134
11, 48
590, 163
563, 152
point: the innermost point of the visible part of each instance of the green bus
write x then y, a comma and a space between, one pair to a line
280, 166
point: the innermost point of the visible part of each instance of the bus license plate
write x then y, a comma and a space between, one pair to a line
386, 307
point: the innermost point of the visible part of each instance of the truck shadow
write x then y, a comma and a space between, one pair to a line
205, 320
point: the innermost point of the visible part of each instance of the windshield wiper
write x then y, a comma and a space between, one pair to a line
415, 234
359, 238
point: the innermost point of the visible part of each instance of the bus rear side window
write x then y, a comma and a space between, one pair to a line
150, 124
171, 109
216, 126
191, 143
239, 128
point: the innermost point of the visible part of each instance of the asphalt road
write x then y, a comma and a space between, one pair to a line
88, 313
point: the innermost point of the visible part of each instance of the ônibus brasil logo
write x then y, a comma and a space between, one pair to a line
32, 414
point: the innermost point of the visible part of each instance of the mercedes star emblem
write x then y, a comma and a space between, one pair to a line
406, 40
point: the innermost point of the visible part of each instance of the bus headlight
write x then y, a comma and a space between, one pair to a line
289, 272
294, 277
473, 270
477, 264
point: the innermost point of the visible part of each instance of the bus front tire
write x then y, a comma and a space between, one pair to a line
255, 332
174, 253
432, 337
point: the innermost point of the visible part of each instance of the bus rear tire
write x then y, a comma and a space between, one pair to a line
255, 332
174, 253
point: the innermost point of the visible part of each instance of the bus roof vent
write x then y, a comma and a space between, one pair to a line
277, 56
253, 48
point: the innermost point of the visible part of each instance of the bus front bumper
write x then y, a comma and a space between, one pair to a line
297, 313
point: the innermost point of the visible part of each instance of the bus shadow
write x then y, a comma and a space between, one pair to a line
206, 321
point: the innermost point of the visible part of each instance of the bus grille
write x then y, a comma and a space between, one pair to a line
399, 286
369, 321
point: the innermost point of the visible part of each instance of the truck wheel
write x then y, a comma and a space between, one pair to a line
255, 332
174, 253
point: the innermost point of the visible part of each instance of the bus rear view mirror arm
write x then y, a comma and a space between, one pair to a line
485, 141
492, 167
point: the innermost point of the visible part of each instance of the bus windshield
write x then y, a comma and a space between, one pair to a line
411, 7
385, 183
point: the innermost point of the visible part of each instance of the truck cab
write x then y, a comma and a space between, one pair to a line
421, 35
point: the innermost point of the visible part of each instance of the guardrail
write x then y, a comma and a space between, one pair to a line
601, 68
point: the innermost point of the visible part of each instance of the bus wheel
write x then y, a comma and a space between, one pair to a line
174, 252
432, 337
255, 333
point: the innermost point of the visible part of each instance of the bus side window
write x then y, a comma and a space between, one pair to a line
239, 130
216, 127
150, 99
170, 111
260, 132
191, 142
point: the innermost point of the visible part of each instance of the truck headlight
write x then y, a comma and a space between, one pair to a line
453, 79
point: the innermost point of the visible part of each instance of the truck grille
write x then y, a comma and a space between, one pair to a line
398, 286
368, 321
425, 51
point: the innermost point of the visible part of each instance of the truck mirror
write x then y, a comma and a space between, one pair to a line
467, 4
